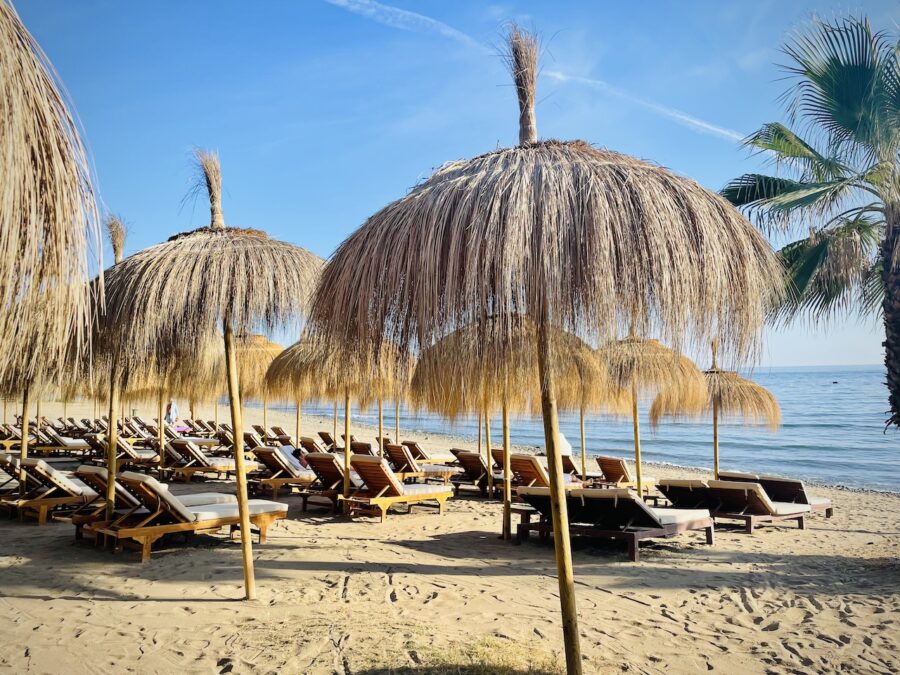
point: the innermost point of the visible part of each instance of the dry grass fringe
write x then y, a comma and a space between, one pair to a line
603, 240
48, 213
170, 295
117, 232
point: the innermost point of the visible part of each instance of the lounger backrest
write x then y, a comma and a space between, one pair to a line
568, 465
610, 509
529, 471
149, 492
189, 451
473, 464
327, 438
361, 448
741, 497
497, 456
51, 477
417, 451
53, 436
275, 462
687, 493
253, 440
615, 469
327, 469
401, 458
739, 476
97, 478
310, 444
788, 490
377, 475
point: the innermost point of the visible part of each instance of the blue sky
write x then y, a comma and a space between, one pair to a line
324, 111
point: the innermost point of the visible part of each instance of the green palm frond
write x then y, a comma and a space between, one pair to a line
791, 150
845, 72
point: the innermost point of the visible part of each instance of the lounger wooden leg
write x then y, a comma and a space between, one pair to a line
384, 513
42, 515
634, 553
441, 506
146, 544
750, 525
263, 529
829, 512
801, 522
711, 535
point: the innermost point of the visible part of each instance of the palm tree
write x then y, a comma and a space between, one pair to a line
843, 183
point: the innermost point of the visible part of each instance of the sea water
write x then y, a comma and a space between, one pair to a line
832, 430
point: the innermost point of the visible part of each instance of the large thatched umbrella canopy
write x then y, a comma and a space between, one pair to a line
320, 368
48, 213
641, 366
577, 237
463, 373
172, 295
726, 395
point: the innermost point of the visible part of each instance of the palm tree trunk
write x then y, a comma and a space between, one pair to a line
891, 307
558, 507
237, 423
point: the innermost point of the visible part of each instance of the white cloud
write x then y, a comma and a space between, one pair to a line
402, 19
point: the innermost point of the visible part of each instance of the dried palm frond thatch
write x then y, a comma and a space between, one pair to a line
726, 395
48, 212
170, 296
117, 232
585, 239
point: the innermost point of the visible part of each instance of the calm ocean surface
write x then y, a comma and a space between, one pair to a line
832, 431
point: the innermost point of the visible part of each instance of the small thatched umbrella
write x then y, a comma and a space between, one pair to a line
48, 212
255, 354
638, 366
173, 294
457, 375
314, 366
574, 236
727, 394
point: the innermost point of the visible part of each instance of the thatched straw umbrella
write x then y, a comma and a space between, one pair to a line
48, 212
456, 376
574, 236
640, 366
197, 283
255, 354
317, 367
726, 394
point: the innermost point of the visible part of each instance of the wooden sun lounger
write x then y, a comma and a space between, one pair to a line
733, 500
784, 490
474, 472
282, 472
330, 444
405, 466
616, 471
569, 466
161, 513
420, 455
311, 445
384, 490
196, 462
529, 472
616, 513
49, 491
330, 479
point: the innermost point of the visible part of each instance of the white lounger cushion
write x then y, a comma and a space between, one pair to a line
818, 501
74, 487
74, 442
728, 475
439, 468
683, 482
203, 498
679, 516
218, 511
774, 508
787, 508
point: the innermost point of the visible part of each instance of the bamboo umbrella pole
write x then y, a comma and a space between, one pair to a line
112, 441
4, 410
23, 446
490, 459
507, 488
346, 441
381, 429
558, 507
583, 446
265, 403
37, 414
65, 407
637, 437
161, 437
96, 410
334, 431
297, 422
237, 424
397, 420
216, 419
715, 414
479, 434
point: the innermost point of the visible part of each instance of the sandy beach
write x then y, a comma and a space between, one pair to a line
424, 593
